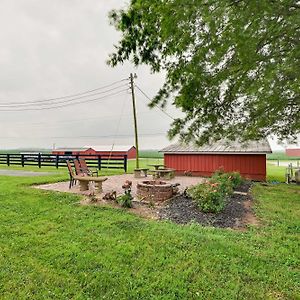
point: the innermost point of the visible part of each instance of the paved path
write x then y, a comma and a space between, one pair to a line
114, 183
24, 173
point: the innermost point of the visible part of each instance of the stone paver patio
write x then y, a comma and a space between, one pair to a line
114, 183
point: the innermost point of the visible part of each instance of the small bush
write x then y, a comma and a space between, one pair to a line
225, 186
232, 177
210, 196
125, 200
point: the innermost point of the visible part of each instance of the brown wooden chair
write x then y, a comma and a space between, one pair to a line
78, 169
72, 174
83, 178
85, 169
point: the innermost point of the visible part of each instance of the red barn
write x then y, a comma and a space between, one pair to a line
294, 152
247, 159
130, 151
68, 151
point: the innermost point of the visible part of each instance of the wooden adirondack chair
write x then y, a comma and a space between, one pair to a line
78, 170
72, 174
84, 168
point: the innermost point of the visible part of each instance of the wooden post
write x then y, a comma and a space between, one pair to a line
22, 160
39, 160
125, 163
8, 159
99, 162
56, 161
137, 165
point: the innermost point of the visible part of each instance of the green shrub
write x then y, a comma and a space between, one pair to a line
219, 172
225, 186
208, 197
125, 200
233, 177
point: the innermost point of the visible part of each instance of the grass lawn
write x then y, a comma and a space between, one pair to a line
275, 173
53, 248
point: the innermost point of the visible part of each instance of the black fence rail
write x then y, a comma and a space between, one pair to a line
113, 161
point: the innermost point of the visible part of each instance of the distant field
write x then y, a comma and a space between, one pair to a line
16, 151
280, 155
151, 154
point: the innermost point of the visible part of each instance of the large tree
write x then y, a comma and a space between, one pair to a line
232, 66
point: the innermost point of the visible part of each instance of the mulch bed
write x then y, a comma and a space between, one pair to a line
183, 210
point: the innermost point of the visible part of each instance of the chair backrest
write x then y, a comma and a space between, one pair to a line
83, 164
77, 167
71, 172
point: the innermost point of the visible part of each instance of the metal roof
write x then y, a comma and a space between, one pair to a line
221, 147
106, 148
69, 149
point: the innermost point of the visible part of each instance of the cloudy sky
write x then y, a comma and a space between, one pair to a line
55, 48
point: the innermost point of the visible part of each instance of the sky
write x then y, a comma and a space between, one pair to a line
54, 48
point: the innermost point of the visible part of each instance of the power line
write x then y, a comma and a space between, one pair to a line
63, 101
65, 105
86, 119
63, 97
86, 136
107, 136
155, 104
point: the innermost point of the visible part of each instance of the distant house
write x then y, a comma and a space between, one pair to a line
249, 159
104, 150
294, 152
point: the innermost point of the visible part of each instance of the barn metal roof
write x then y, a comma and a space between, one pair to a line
105, 148
69, 149
221, 147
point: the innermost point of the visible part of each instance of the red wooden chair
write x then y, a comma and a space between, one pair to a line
78, 169
85, 169
71, 173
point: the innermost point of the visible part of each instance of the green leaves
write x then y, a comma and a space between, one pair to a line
210, 196
233, 66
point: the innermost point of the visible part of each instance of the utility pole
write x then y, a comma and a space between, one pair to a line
132, 77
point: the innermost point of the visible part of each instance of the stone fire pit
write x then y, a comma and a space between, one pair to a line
154, 190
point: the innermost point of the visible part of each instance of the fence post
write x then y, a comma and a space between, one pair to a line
125, 163
39, 160
56, 161
8, 160
22, 160
278, 163
99, 162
